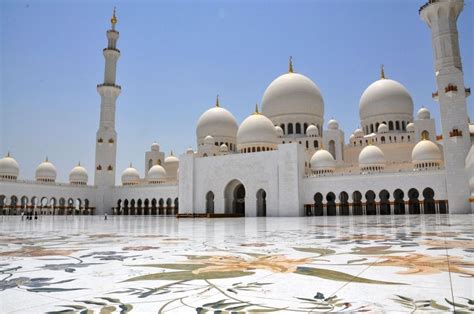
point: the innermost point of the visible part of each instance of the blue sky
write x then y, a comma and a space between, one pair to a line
177, 55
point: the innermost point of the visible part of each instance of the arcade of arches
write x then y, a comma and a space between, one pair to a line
14, 205
377, 203
147, 206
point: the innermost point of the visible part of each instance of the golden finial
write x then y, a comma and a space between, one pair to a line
79, 164
217, 101
8, 154
290, 67
256, 109
46, 160
382, 73
113, 20
130, 165
171, 153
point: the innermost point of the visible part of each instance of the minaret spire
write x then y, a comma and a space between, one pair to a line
113, 20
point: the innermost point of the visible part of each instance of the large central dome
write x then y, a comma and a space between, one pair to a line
292, 94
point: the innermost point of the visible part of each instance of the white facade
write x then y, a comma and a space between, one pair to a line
282, 161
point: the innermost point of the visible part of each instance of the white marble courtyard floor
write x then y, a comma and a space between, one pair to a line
156, 264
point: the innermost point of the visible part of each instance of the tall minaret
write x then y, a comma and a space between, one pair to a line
106, 137
441, 16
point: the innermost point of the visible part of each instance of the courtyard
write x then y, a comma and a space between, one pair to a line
141, 264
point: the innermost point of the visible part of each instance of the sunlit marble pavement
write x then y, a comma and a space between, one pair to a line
162, 264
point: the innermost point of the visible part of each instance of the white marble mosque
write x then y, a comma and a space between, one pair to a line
283, 159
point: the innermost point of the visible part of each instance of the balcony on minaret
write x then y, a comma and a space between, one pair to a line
455, 133
450, 90
435, 96
109, 85
468, 91
426, 5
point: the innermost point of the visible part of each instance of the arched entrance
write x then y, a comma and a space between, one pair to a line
429, 206
413, 202
261, 203
384, 202
357, 203
344, 204
370, 206
318, 204
331, 204
210, 202
399, 203
234, 194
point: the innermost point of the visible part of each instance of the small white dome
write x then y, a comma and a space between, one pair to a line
9, 168
223, 148
189, 151
209, 140
358, 133
322, 161
218, 122
257, 130
78, 175
156, 174
333, 124
411, 127
312, 131
279, 131
171, 158
385, 97
423, 114
46, 172
352, 137
292, 94
383, 128
371, 157
130, 176
426, 152
155, 147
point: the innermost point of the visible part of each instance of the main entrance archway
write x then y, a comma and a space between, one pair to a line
234, 195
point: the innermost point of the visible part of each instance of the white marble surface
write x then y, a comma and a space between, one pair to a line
153, 264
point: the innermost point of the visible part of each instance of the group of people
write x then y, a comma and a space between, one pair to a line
29, 216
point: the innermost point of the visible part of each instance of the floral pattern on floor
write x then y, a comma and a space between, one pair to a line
238, 265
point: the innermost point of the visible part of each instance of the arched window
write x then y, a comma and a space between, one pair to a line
315, 144
371, 128
397, 125
332, 148
305, 126
290, 128
425, 134
150, 164
298, 128
307, 144
382, 139
390, 125
404, 126
377, 126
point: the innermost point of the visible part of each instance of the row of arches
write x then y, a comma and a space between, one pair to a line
256, 149
15, 205
295, 128
154, 206
383, 140
234, 198
399, 205
392, 126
